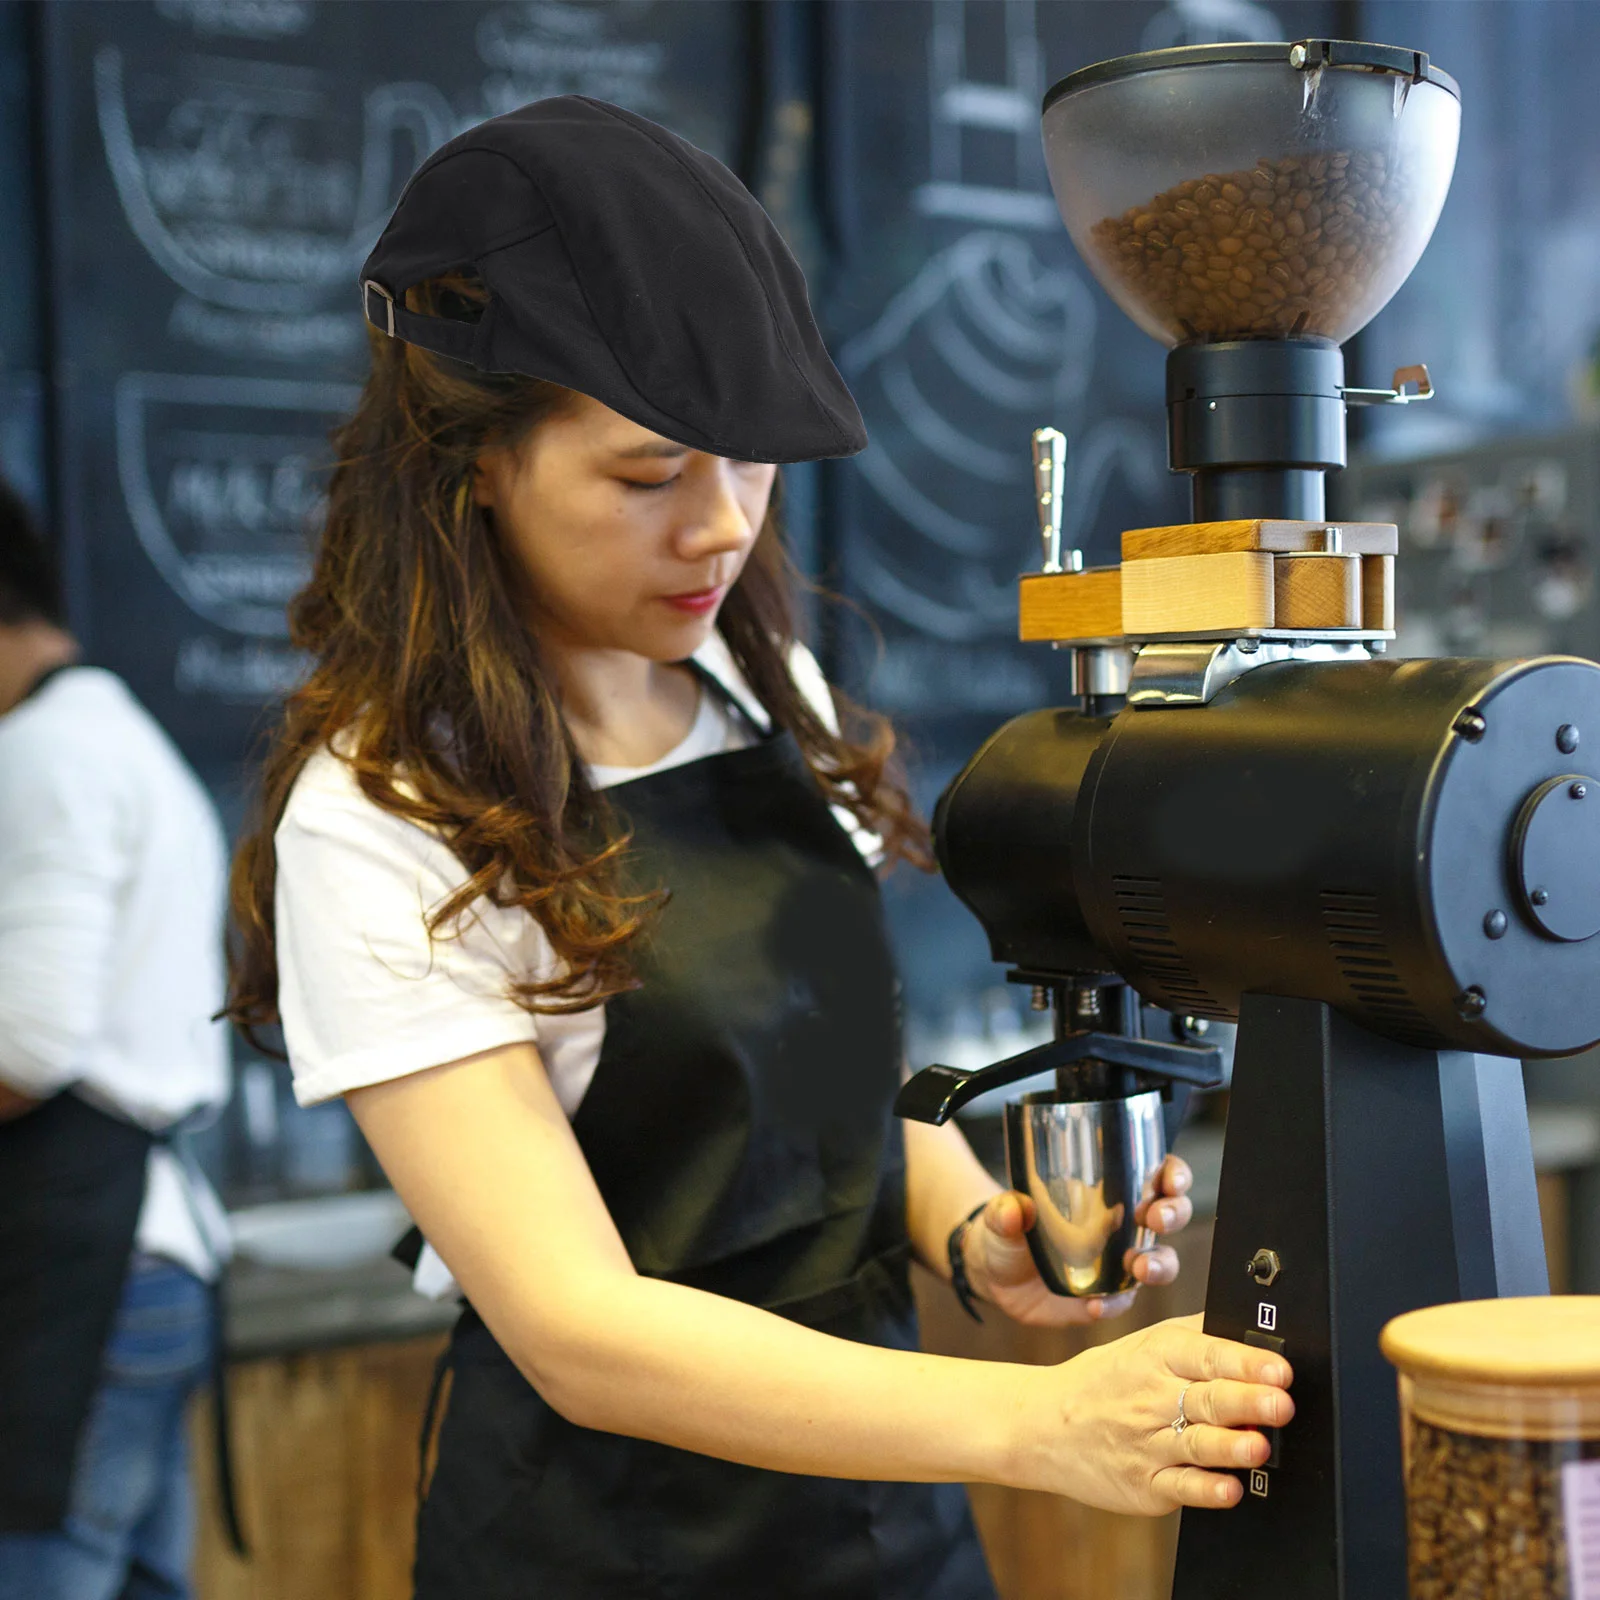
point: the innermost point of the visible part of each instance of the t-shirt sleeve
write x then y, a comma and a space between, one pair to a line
364, 992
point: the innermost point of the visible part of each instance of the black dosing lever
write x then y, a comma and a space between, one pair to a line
936, 1093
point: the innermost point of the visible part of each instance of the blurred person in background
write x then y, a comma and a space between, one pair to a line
111, 895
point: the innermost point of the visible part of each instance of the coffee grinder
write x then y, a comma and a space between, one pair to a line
1388, 871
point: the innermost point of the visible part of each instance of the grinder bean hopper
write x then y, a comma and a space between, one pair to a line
1388, 871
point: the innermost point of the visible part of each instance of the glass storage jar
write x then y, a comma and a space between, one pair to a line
1500, 1420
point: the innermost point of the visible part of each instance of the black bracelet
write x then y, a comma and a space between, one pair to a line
959, 1281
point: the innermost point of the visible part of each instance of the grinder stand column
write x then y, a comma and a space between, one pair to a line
1362, 1178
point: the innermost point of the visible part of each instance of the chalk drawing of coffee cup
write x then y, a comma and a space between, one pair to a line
224, 480
256, 185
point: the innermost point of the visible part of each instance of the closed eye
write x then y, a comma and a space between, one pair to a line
661, 483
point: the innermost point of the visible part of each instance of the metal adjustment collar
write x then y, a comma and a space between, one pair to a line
370, 287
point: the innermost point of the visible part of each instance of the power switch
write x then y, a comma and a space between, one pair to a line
1268, 1341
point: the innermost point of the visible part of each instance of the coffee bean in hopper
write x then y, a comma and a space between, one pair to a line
1284, 249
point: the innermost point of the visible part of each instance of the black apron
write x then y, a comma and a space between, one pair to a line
71, 1185
739, 1128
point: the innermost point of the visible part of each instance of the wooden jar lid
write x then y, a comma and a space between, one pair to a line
1539, 1341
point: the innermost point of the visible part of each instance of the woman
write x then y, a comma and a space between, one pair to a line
564, 884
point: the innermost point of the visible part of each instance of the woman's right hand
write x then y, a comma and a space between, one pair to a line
1101, 1429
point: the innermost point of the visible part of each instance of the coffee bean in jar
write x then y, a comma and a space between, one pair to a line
1284, 249
1500, 1419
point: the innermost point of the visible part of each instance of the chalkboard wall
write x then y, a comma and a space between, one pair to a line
217, 170
1505, 304
22, 347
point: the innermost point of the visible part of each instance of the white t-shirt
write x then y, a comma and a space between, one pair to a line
112, 882
366, 996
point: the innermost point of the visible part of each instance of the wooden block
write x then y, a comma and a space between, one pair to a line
1377, 592
1198, 594
1317, 591
1071, 605
1209, 538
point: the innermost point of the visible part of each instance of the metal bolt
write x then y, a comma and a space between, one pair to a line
1039, 999
1566, 738
1196, 1027
1264, 1266
1494, 924
1088, 1005
1579, 791
1470, 725
1540, 897
1249, 647
1471, 1004
1211, 405
1297, 56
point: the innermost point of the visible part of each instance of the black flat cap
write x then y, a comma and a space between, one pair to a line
623, 262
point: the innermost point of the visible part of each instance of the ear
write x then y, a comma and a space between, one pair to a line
487, 472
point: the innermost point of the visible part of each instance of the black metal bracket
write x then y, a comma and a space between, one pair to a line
936, 1093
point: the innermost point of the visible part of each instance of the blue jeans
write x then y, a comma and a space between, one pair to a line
130, 1522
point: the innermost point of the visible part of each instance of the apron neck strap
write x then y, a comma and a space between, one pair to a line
732, 702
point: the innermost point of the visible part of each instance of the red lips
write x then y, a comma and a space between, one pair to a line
699, 602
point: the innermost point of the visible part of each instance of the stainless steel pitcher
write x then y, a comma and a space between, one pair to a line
1087, 1165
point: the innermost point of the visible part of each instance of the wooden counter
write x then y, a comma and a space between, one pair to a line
325, 1455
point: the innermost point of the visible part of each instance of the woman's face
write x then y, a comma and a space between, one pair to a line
627, 541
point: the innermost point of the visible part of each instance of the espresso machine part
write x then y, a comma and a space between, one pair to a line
1383, 868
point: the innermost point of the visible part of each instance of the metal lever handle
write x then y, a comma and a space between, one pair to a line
936, 1093
1049, 473
1400, 395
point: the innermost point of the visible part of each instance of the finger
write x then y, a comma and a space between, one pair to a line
1204, 1446
1177, 1177
1099, 1307
1226, 1404
1004, 1215
1003, 1257
1190, 1486
1166, 1216
1201, 1356
1062, 1311
1155, 1266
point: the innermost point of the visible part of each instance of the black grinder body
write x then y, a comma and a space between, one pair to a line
1396, 839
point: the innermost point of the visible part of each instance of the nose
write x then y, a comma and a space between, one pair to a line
720, 522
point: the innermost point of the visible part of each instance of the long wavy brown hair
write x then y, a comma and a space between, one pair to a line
428, 683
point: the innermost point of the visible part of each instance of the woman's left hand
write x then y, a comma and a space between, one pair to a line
1002, 1271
